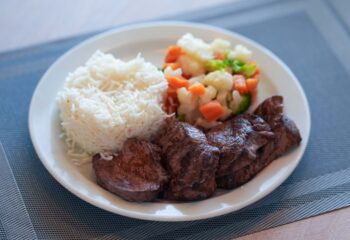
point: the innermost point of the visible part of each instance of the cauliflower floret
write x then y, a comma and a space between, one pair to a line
184, 96
220, 45
221, 80
222, 97
188, 104
195, 47
168, 71
236, 100
241, 52
191, 66
197, 79
209, 95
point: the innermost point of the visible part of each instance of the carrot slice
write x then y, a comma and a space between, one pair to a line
173, 54
173, 66
197, 89
252, 83
177, 82
240, 84
211, 111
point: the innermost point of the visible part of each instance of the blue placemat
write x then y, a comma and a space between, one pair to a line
312, 37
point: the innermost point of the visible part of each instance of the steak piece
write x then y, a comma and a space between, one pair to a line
286, 136
190, 161
135, 174
241, 141
286, 131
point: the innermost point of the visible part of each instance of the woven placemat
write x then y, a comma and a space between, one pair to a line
310, 36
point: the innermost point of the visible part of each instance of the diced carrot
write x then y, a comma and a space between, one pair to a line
173, 54
252, 83
240, 84
219, 55
177, 82
173, 66
197, 89
211, 111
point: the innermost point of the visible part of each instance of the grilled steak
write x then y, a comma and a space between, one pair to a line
287, 133
195, 163
286, 136
135, 174
190, 161
241, 141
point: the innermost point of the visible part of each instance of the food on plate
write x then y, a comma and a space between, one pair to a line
176, 134
134, 174
209, 82
285, 136
226, 156
286, 132
240, 141
190, 161
107, 101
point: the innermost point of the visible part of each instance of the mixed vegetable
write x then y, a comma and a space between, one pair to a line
209, 82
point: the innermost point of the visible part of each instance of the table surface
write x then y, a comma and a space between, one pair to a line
41, 21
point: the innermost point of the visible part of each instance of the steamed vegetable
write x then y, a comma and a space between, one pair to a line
173, 53
197, 89
240, 84
236, 65
174, 66
209, 82
177, 82
191, 66
244, 105
212, 111
219, 79
249, 69
209, 95
215, 65
252, 83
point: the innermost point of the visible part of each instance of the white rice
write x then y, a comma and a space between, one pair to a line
107, 101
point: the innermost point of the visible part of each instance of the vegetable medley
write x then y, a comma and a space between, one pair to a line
209, 82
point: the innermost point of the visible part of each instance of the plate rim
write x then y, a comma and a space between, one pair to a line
125, 212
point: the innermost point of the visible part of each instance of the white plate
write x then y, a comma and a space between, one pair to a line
152, 39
